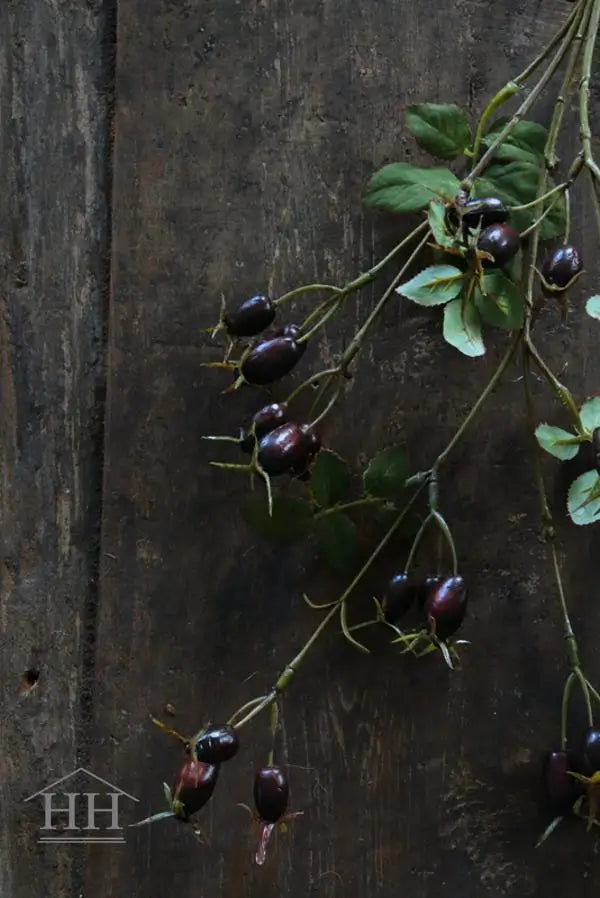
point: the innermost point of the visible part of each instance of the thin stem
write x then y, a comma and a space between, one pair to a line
355, 344
443, 526
584, 89
290, 669
307, 288
549, 47
476, 408
530, 99
333, 304
327, 408
315, 378
593, 692
538, 221
322, 307
417, 541
572, 649
564, 709
557, 189
356, 503
511, 87
561, 392
251, 704
363, 279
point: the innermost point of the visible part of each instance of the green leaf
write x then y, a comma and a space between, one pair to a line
440, 128
555, 222
590, 414
437, 223
434, 285
501, 304
386, 472
583, 500
337, 540
291, 518
592, 307
329, 478
526, 142
557, 442
400, 187
462, 328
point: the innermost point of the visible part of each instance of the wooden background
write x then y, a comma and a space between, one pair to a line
223, 147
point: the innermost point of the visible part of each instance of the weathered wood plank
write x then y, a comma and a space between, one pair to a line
244, 134
53, 272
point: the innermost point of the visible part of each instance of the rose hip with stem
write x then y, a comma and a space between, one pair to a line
271, 796
250, 318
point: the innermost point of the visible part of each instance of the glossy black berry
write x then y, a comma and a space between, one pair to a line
483, 212
264, 420
560, 790
271, 793
217, 744
402, 590
251, 317
445, 607
287, 448
502, 242
313, 445
271, 359
194, 785
426, 586
596, 447
314, 440
288, 330
590, 751
561, 267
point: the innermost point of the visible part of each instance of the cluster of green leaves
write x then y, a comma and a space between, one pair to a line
323, 514
583, 500
469, 302
444, 131
513, 176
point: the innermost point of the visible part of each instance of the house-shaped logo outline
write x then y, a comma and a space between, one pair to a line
73, 773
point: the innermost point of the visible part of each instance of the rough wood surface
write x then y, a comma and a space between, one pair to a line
53, 271
244, 133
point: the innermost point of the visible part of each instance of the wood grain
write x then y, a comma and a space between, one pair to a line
240, 157
244, 133
53, 270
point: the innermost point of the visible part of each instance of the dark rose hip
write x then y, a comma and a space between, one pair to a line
193, 787
217, 744
426, 587
264, 420
560, 789
561, 267
401, 592
483, 212
590, 751
502, 242
271, 359
271, 793
287, 448
251, 317
445, 607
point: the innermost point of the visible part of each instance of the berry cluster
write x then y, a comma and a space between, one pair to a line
197, 777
